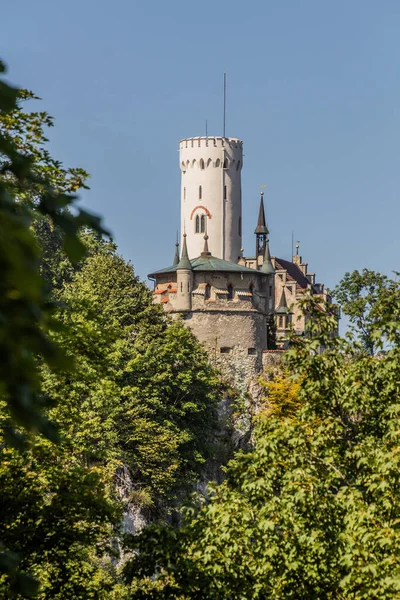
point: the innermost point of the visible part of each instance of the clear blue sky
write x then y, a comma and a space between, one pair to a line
313, 91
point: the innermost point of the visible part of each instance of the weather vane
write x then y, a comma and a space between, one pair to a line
297, 246
262, 188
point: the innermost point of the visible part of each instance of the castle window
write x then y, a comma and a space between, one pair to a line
224, 192
207, 292
238, 166
217, 162
225, 350
230, 292
240, 226
200, 192
181, 286
184, 193
197, 222
251, 288
226, 163
209, 162
251, 351
201, 163
280, 322
203, 224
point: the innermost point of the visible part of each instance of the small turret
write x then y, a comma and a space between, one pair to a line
267, 266
184, 278
282, 306
176, 257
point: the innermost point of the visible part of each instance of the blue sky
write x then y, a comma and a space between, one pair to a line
313, 91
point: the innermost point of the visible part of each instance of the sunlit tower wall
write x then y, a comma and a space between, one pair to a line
211, 195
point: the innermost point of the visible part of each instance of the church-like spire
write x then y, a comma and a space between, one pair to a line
267, 266
261, 223
206, 251
184, 263
176, 257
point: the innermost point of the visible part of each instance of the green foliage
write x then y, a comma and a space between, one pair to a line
29, 185
313, 511
142, 387
57, 517
357, 294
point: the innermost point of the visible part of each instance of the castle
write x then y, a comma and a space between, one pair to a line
231, 302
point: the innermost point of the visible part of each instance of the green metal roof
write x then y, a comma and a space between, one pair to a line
210, 263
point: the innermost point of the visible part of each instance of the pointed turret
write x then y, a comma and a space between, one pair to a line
282, 306
267, 266
176, 257
184, 263
184, 280
261, 223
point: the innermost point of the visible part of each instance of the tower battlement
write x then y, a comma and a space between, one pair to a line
210, 142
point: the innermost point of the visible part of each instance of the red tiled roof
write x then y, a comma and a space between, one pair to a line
293, 271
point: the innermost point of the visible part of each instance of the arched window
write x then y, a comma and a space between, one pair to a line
209, 162
207, 292
226, 164
194, 162
203, 223
230, 292
197, 226
217, 162
201, 163
200, 192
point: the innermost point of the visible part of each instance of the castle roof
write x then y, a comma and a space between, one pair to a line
293, 271
210, 263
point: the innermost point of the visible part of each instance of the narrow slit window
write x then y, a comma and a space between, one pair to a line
184, 193
197, 226
200, 192
224, 192
230, 292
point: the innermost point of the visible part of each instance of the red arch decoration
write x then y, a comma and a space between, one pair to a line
203, 208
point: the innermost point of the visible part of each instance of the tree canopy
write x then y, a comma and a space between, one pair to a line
313, 510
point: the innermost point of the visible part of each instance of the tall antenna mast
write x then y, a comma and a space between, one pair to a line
224, 103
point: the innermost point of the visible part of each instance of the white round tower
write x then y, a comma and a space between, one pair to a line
211, 195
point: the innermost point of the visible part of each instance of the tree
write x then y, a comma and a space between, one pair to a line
30, 186
313, 510
143, 386
357, 293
